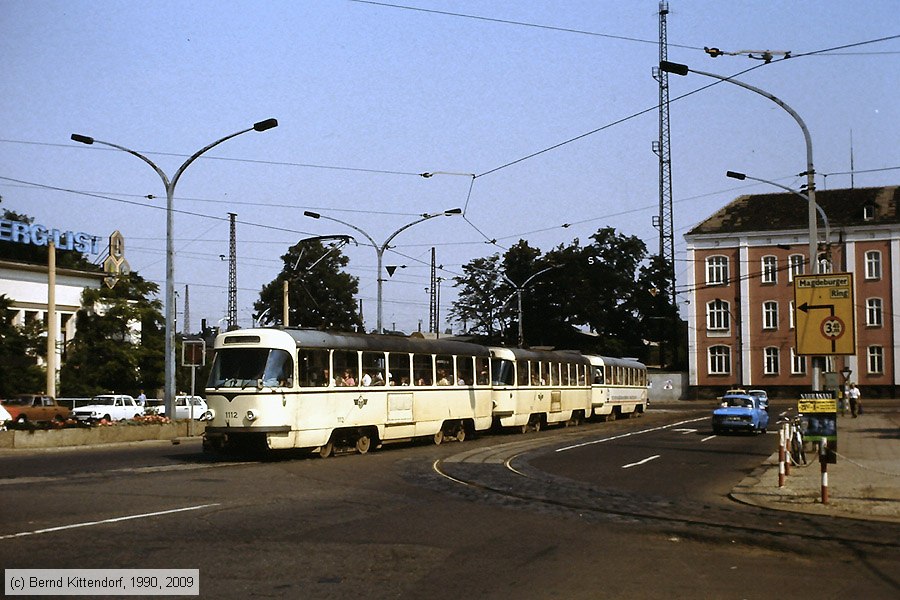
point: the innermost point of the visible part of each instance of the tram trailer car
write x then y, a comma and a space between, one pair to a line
537, 388
619, 387
304, 388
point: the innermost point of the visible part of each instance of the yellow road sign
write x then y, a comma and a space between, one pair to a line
824, 316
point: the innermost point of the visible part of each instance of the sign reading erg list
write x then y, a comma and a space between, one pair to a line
824, 314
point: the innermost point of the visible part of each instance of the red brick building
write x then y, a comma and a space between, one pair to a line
743, 261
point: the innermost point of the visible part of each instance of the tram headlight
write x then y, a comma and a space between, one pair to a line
251, 416
208, 415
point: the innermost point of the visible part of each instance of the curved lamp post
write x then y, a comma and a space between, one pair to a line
804, 197
519, 289
379, 250
169, 392
680, 69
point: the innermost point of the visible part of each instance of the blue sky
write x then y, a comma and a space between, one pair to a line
368, 95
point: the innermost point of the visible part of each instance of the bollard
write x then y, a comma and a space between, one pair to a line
789, 436
823, 462
781, 439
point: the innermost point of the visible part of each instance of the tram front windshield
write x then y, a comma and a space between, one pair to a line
243, 367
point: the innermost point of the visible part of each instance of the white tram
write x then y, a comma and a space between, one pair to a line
304, 388
618, 387
320, 390
536, 388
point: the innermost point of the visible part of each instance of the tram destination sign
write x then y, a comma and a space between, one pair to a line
824, 314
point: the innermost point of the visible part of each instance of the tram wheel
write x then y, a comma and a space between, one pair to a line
363, 442
461, 433
537, 424
439, 437
327, 449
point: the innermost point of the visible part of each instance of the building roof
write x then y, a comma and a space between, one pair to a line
845, 208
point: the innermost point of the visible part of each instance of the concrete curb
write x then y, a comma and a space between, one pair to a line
83, 436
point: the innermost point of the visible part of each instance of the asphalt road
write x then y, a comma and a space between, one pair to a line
584, 512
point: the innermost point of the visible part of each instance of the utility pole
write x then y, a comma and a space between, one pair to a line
232, 275
432, 305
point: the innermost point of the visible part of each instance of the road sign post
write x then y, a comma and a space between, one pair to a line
824, 314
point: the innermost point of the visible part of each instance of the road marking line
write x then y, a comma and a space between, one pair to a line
629, 434
641, 462
104, 521
707, 438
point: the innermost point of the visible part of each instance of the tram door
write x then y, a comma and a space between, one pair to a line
555, 401
400, 407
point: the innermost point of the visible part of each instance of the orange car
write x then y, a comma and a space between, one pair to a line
35, 407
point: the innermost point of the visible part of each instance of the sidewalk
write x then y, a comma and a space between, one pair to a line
864, 484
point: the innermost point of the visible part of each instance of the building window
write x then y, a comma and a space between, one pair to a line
770, 315
718, 317
770, 269
873, 312
873, 264
717, 270
876, 360
868, 212
824, 264
795, 265
791, 314
719, 360
770, 366
798, 363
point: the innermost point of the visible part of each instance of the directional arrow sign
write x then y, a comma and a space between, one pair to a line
824, 314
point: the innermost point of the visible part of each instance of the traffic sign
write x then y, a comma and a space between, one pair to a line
824, 315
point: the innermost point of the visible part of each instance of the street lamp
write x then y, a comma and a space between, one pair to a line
804, 197
519, 289
379, 250
680, 69
169, 391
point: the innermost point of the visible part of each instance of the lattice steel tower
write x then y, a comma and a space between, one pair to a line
664, 221
232, 275
432, 304
187, 310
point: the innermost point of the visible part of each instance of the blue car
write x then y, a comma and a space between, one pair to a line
740, 412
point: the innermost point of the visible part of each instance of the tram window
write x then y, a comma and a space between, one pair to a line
554, 373
598, 375
522, 373
444, 369
565, 373
279, 370
502, 371
423, 369
312, 366
580, 369
465, 370
482, 367
535, 368
345, 365
372, 368
398, 369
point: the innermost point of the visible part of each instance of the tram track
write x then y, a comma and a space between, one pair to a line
503, 474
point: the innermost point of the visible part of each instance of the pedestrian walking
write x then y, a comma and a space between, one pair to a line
853, 395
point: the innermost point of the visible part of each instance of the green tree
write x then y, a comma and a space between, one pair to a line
19, 349
107, 353
608, 287
319, 293
480, 299
606, 300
